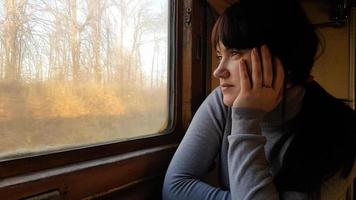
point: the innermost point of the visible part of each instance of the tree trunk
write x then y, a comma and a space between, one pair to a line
10, 40
95, 11
75, 46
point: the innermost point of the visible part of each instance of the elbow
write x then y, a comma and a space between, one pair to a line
167, 189
174, 187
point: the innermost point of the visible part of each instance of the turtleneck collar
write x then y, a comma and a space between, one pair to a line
292, 104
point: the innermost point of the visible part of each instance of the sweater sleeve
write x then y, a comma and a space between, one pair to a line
249, 173
196, 153
248, 167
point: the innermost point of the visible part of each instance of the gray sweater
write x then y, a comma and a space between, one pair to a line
240, 140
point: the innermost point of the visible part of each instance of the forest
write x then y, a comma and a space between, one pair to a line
81, 72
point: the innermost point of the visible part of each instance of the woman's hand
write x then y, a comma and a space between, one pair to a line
264, 90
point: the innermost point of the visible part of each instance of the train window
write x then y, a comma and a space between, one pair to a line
81, 73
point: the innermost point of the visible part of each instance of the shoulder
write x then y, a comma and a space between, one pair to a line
211, 113
215, 97
324, 106
328, 118
214, 103
336, 187
324, 140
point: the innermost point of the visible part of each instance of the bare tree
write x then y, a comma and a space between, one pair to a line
109, 52
95, 12
122, 7
74, 38
15, 18
157, 27
142, 20
76, 29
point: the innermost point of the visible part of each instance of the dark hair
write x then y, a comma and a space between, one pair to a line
282, 25
324, 131
324, 142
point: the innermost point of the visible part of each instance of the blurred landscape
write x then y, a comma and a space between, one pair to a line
76, 73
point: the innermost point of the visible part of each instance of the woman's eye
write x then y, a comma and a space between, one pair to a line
234, 53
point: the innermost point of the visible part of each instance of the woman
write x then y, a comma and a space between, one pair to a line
275, 133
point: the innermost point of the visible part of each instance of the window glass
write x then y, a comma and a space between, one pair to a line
81, 72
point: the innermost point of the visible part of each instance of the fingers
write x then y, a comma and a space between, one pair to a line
262, 71
245, 82
267, 66
256, 69
279, 76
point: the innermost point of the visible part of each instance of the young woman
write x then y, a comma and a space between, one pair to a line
275, 133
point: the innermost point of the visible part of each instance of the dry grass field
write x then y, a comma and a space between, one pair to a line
44, 117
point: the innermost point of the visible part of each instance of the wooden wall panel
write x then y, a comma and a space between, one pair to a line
331, 70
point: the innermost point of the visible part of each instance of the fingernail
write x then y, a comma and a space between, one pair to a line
265, 48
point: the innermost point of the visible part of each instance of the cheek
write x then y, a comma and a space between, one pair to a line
234, 71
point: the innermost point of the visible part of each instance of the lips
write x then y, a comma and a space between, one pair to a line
226, 85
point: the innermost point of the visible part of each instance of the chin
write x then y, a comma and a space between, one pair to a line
228, 101
229, 96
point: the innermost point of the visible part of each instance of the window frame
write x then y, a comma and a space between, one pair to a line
57, 171
14, 166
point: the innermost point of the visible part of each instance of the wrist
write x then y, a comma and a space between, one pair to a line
246, 120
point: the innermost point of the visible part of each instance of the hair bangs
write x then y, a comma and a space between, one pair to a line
233, 30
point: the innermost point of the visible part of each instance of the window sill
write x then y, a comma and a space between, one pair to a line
88, 178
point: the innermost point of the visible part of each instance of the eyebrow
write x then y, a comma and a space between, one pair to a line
239, 50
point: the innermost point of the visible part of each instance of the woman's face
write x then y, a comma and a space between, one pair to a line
228, 70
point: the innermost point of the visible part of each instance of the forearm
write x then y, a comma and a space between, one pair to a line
248, 167
187, 187
196, 153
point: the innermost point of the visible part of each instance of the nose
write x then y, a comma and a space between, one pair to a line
221, 71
